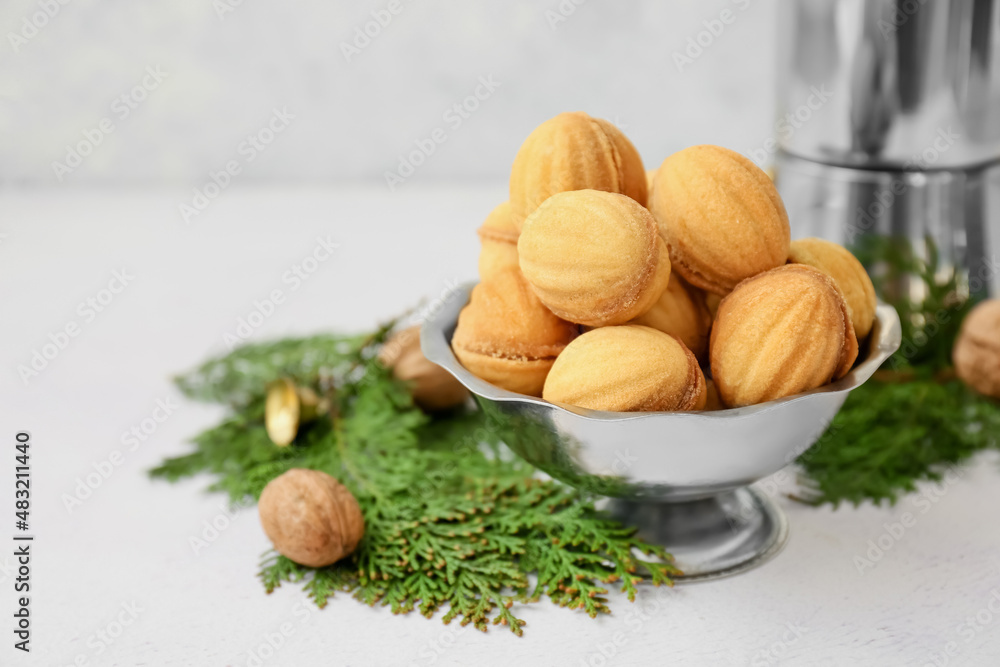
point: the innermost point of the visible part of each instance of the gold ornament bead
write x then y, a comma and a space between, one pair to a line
573, 152
288, 407
432, 387
681, 311
310, 517
627, 369
593, 257
506, 336
977, 350
847, 272
721, 216
499, 242
781, 333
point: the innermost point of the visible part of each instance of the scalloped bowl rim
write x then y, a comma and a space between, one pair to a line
884, 340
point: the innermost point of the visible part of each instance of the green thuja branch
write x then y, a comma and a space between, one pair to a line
453, 522
913, 420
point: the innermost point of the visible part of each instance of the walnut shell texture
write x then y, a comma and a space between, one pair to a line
977, 349
506, 336
681, 311
593, 257
574, 151
627, 369
432, 387
847, 272
781, 333
499, 242
310, 517
720, 215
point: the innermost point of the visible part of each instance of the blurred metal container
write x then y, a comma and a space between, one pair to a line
889, 123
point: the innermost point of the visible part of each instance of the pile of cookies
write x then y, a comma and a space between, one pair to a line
607, 287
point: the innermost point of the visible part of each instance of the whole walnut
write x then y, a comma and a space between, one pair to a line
432, 387
310, 517
573, 151
977, 349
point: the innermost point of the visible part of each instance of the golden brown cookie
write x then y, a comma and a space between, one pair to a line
594, 257
781, 333
681, 311
506, 336
499, 242
977, 349
721, 216
627, 369
847, 272
573, 152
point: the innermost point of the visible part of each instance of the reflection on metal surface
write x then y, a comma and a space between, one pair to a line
895, 78
959, 210
889, 123
710, 538
652, 459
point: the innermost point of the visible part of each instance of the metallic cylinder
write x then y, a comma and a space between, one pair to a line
889, 122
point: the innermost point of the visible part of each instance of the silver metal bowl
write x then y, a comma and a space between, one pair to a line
682, 478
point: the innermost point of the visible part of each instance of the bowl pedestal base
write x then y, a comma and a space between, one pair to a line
712, 537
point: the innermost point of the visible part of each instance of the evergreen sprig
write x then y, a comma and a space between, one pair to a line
913, 419
889, 435
453, 521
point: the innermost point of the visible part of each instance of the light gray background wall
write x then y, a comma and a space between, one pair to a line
228, 63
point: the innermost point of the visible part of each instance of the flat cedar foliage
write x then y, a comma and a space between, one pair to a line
913, 419
453, 521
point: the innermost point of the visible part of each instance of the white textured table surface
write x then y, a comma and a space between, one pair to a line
124, 554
